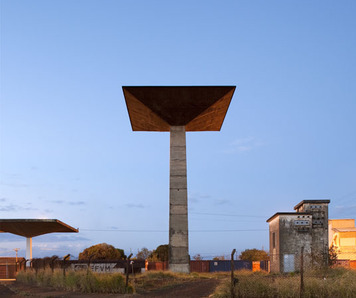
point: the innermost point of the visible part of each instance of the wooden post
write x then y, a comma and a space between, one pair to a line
52, 263
232, 287
89, 260
65, 258
301, 272
127, 270
23, 261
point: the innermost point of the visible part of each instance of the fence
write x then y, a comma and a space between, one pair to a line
98, 266
345, 263
137, 266
9, 267
214, 265
156, 266
200, 266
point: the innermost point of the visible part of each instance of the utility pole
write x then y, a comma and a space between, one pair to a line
16, 249
233, 280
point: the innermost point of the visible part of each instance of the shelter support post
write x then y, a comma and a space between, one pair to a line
28, 250
178, 205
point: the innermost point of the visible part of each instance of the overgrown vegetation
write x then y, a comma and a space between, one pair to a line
143, 254
338, 282
160, 254
81, 281
332, 256
102, 251
254, 255
154, 280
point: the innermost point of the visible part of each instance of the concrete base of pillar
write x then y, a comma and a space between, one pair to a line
180, 268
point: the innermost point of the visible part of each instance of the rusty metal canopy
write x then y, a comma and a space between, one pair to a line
34, 227
157, 108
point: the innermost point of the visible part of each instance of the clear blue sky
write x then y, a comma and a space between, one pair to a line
67, 150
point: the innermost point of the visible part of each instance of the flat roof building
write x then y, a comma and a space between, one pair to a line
342, 235
290, 231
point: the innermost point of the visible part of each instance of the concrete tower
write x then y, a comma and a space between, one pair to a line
177, 110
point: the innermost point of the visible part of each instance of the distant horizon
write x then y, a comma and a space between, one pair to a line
20, 239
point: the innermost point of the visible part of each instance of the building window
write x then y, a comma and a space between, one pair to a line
273, 240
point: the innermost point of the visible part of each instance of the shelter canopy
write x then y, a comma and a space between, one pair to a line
34, 227
157, 108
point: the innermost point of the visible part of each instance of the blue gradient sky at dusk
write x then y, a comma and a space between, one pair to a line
67, 150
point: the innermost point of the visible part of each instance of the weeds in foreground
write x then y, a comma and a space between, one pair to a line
332, 283
153, 280
82, 281
337, 282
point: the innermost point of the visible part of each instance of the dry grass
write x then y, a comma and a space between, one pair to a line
81, 281
338, 282
153, 280
332, 283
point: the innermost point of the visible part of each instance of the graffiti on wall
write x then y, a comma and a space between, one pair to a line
99, 267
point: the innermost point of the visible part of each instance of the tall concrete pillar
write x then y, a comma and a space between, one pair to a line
177, 109
178, 202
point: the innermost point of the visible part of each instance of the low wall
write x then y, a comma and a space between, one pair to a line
9, 267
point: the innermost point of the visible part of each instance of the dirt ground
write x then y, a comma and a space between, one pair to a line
190, 289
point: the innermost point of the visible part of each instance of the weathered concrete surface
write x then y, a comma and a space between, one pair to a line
178, 203
290, 231
320, 232
178, 109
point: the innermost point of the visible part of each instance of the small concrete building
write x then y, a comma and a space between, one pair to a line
342, 235
290, 231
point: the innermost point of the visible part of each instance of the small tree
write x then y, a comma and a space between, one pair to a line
219, 258
254, 255
197, 257
122, 253
160, 253
143, 254
102, 251
332, 257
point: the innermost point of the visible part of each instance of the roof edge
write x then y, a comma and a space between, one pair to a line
287, 213
311, 201
68, 226
177, 86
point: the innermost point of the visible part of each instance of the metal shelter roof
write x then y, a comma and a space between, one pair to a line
157, 108
34, 227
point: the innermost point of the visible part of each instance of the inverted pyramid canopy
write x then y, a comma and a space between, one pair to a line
157, 108
34, 227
